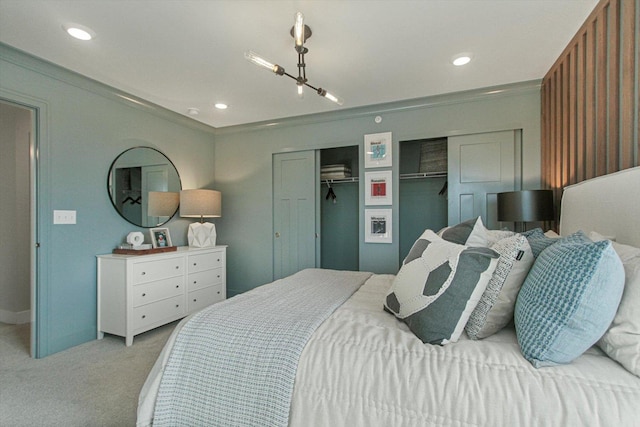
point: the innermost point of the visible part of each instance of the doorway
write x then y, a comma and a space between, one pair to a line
17, 191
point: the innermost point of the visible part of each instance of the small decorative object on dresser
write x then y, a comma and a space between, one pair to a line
139, 293
160, 237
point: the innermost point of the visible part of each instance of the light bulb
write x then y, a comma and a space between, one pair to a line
334, 98
301, 91
298, 29
260, 61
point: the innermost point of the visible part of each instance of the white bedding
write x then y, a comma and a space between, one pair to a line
362, 367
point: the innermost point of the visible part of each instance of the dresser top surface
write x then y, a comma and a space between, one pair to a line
182, 250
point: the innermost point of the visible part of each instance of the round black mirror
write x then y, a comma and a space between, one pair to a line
144, 187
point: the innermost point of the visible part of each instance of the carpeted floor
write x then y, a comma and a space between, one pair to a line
94, 384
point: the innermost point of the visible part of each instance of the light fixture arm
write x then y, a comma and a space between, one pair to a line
300, 33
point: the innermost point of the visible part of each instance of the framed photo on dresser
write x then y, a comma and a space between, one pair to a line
160, 237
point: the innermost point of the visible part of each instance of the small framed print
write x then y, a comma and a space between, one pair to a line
377, 150
378, 226
160, 237
378, 188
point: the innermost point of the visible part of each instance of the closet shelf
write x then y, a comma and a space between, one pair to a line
340, 180
422, 175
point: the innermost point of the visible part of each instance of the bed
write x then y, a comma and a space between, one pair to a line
358, 364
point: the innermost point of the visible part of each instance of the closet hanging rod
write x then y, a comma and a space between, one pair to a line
422, 175
339, 180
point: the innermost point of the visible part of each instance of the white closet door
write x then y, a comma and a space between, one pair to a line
479, 167
294, 212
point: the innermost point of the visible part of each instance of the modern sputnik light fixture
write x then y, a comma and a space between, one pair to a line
300, 33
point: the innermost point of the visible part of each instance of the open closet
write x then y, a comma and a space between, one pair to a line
423, 189
338, 201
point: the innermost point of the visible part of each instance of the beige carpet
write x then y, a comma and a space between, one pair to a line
94, 384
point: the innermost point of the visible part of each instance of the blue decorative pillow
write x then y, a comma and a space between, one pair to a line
438, 286
539, 242
568, 301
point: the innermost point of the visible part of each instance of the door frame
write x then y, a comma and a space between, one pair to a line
38, 152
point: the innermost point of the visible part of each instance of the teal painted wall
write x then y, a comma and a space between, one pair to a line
243, 164
83, 127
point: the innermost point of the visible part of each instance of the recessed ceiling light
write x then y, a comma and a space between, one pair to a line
461, 59
79, 32
221, 106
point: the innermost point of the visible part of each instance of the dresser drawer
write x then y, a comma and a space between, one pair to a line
146, 315
203, 279
202, 298
147, 293
154, 270
203, 262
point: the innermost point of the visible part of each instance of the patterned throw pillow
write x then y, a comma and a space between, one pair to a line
496, 306
469, 233
438, 287
568, 301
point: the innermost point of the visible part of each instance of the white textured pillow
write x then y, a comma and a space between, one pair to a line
622, 340
496, 306
494, 236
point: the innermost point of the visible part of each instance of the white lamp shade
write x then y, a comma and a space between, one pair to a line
162, 203
200, 203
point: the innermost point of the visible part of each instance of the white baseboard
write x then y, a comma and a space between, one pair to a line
15, 318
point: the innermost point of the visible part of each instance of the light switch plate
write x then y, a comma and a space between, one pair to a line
64, 217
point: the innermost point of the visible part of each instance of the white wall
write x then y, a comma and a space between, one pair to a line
15, 127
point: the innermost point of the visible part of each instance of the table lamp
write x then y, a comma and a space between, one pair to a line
201, 203
525, 206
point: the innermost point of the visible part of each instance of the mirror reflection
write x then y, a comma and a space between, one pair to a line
135, 174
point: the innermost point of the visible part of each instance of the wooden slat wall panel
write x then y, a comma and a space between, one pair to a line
590, 100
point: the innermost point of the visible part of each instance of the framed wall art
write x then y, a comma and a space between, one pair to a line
378, 225
378, 188
377, 150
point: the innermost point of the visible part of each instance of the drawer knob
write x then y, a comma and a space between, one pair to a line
195, 263
195, 281
143, 273
218, 259
177, 305
218, 276
144, 295
218, 292
177, 267
144, 315
177, 286
194, 300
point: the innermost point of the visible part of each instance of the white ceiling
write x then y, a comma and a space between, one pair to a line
190, 53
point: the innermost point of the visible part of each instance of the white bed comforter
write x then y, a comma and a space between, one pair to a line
362, 367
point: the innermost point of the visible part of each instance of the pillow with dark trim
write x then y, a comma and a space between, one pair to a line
496, 306
438, 286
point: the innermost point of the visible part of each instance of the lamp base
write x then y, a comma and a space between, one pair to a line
202, 235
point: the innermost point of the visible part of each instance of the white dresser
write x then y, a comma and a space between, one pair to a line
141, 292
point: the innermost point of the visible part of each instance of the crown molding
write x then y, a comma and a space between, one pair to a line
48, 69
